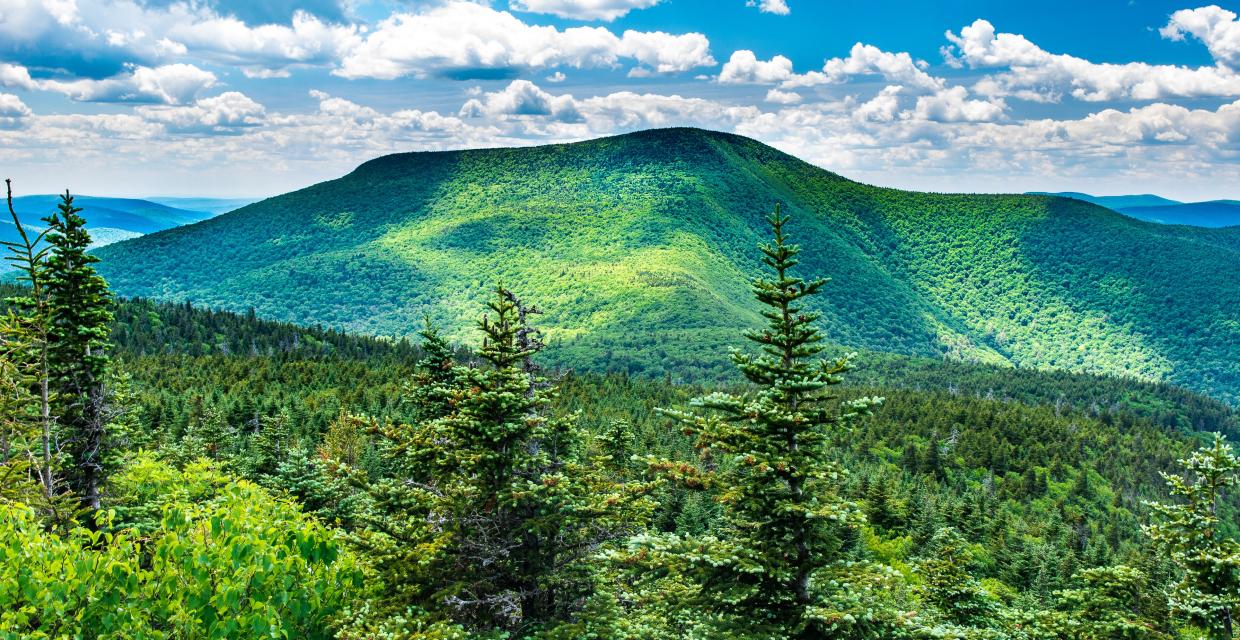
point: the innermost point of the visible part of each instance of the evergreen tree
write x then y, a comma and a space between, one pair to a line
1109, 604
948, 584
80, 315
1190, 532
779, 569
491, 510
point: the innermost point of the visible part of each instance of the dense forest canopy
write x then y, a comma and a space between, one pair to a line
639, 247
174, 471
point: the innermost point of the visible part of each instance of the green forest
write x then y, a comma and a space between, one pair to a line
640, 246
175, 471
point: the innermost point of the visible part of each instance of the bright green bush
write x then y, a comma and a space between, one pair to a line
225, 559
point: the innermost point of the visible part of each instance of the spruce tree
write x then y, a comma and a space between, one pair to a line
1190, 533
80, 321
491, 510
778, 567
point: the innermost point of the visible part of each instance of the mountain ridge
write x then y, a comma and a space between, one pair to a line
639, 246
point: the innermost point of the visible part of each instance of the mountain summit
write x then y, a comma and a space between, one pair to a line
638, 246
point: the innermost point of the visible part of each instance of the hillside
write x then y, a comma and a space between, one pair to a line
109, 219
638, 246
1218, 213
1114, 202
1152, 208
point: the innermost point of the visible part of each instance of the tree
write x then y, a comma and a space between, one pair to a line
80, 316
948, 584
1108, 604
1189, 532
28, 336
491, 510
779, 569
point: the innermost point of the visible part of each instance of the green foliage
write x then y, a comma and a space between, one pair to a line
639, 247
777, 567
80, 319
1193, 533
490, 509
223, 559
1111, 603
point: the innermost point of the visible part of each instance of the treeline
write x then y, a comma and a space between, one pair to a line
257, 479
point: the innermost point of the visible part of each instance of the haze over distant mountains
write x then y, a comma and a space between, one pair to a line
1152, 208
639, 247
114, 219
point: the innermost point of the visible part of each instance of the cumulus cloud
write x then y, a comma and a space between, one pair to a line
168, 84
953, 105
12, 75
1036, 74
782, 97
777, 7
265, 50
228, 112
863, 60
12, 111
468, 40
745, 68
522, 98
606, 10
1216, 27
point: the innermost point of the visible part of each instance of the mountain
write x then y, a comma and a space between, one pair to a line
128, 214
1152, 208
1114, 202
638, 248
1216, 213
213, 206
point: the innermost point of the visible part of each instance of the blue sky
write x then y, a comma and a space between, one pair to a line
243, 98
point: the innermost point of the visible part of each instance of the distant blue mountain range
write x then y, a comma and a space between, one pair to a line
114, 219
1152, 208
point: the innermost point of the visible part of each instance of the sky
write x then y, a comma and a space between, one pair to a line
242, 98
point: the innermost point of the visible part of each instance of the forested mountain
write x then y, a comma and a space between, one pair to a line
1113, 202
198, 473
638, 248
1215, 213
1152, 208
111, 219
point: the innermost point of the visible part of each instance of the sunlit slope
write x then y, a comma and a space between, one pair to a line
638, 249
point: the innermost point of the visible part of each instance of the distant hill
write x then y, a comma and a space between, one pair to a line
1217, 213
128, 214
639, 249
1152, 208
1114, 202
108, 219
213, 206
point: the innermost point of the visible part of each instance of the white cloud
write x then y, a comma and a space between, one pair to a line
227, 112
168, 84
953, 105
883, 107
1215, 26
558, 76
782, 97
745, 68
262, 51
777, 7
12, 75
606, 10
1035, 74
522, 98
12, 111
462, 39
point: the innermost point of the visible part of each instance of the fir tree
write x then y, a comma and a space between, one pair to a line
949, 585
79, 305
1190, 532
779, 569
1108, 604
491, 509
